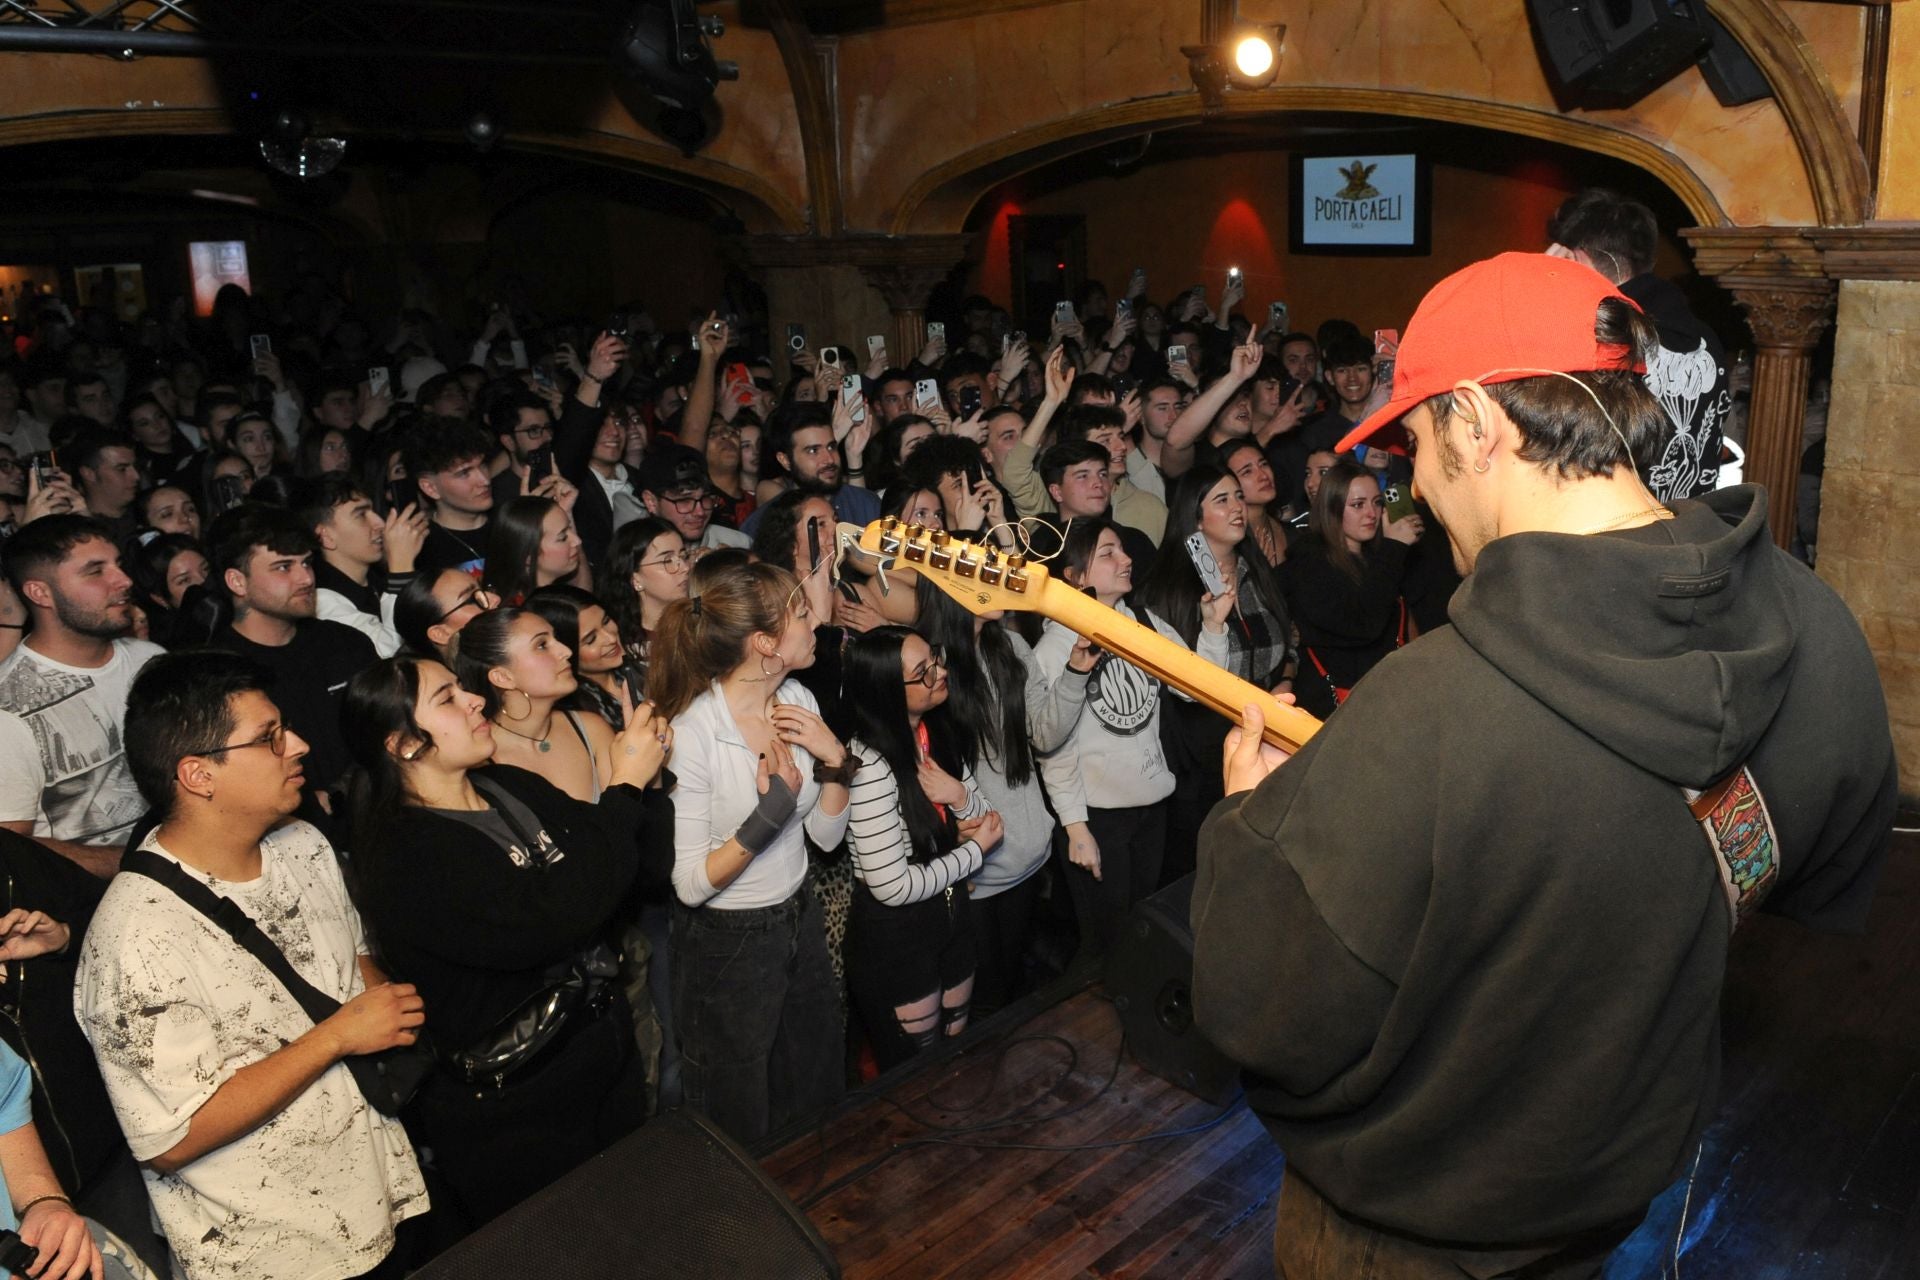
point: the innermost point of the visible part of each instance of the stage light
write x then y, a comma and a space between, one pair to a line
1256, 56
482, 129
1253, 57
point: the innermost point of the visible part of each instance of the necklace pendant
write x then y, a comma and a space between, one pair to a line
545, 745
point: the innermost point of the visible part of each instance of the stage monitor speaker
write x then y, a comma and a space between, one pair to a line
1615, 52
1149, 975
675, 1201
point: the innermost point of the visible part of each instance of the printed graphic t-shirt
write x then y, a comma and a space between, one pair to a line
62, 763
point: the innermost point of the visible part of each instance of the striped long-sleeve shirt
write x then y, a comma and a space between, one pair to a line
882, 849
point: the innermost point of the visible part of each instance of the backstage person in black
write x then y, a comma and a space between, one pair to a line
485, 886
1469, 942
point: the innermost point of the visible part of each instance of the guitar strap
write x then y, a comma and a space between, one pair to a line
1741, 833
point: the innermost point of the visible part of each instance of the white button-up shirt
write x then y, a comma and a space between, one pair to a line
716, 772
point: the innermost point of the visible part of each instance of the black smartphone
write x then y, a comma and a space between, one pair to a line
619, 325
228, 492
46, 468
540, 463
969, 401
813, 543
846, 590
402, 494
796, 338
975, 474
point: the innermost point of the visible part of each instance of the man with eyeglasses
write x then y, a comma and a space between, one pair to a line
63, 693
262, 558
523, 424
261, 1157
674, 487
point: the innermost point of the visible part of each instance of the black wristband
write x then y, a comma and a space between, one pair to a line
841, 773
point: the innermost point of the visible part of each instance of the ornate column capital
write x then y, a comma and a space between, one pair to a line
1785, 314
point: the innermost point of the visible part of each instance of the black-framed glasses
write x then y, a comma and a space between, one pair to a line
275, 739
928, 672
481, 599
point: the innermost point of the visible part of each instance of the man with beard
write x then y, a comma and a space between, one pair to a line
263, 558
799, 436
63, 693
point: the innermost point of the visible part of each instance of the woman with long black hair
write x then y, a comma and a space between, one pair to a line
585, 628
1345, 582
532, 544
919, 828
495, 893
999, 718
1252, 612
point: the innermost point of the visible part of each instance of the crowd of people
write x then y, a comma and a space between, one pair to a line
515, 690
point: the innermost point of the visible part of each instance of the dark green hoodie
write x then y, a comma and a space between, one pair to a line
1469, 943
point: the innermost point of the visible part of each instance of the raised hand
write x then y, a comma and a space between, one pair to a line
1059, 376
800, 727
940, 786
405, 534
1216, 609
642, 747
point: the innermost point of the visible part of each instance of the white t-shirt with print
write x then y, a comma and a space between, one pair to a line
173, 1008
63, 766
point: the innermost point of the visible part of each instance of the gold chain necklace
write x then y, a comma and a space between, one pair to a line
1658, 513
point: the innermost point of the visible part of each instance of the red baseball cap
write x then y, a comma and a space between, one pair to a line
1515, 316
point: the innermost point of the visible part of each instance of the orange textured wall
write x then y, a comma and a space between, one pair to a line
1187, 220
917, 97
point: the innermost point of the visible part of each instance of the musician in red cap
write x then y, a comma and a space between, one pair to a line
1468, 943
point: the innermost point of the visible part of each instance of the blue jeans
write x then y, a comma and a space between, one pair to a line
758, 1014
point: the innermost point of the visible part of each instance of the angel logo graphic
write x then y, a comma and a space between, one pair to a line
1358, 188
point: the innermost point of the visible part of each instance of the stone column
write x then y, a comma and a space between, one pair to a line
905, 286
847, 288
1779, 278
1787, 316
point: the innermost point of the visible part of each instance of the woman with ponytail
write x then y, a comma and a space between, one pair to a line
755, 999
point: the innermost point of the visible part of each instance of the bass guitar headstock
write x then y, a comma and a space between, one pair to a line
983, 578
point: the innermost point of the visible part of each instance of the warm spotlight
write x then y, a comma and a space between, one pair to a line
1253, 57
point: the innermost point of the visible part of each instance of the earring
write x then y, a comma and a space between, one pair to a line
778, 669
509, 714
1482, 467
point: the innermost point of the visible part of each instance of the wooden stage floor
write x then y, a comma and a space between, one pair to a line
1812, 1168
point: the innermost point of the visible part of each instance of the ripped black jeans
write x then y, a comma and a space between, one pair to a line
900, 956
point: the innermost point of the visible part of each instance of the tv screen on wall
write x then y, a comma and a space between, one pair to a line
1357, 204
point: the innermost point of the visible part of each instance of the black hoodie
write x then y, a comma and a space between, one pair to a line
1688, 376
1469, 943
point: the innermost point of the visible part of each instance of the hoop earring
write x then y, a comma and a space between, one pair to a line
1482, 467
503, 704
778, 670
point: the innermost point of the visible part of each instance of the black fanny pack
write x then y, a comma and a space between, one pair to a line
575, 991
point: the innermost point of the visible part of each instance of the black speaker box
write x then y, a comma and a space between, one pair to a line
1728, 71
675, 1201
1615, 52
1149, 975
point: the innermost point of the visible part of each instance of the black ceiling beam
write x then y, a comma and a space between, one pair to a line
182, 44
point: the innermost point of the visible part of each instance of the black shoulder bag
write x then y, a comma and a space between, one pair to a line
573, 991
387, 1079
